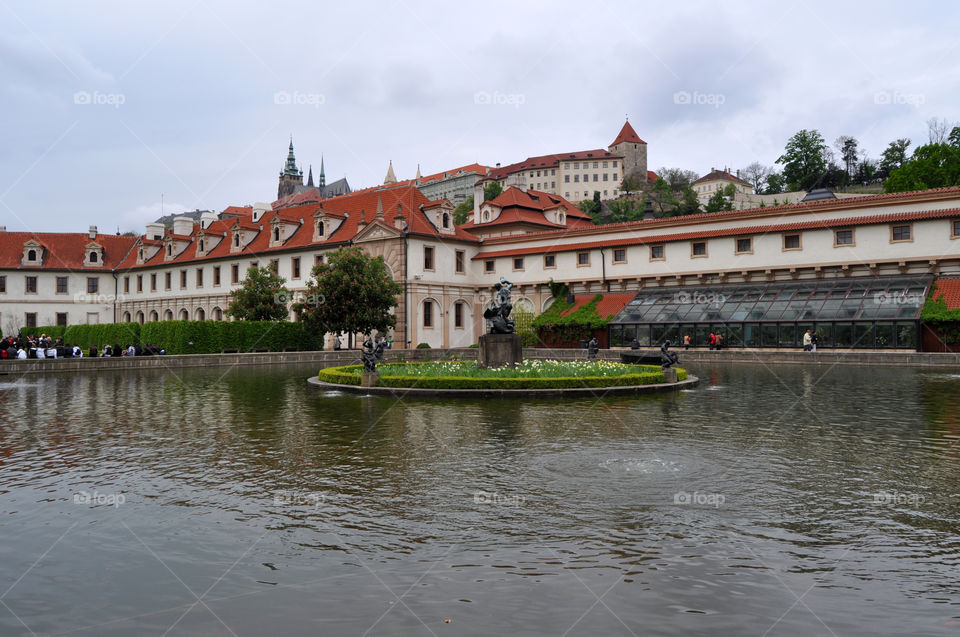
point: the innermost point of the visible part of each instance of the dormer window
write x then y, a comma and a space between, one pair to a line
276, 234
169, 249
200, 246
140, 255
560, 217
93, 257
320, 229
236, 240
446, 220
31, 255
486, 215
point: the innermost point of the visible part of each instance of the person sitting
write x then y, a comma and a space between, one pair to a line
107, 351
39, 352
77, 352
116, 350
634, 344
21, 354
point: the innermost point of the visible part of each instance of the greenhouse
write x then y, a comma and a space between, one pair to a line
869, 312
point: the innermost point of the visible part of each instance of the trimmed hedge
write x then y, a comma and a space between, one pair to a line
53, 331
350, 375
87, 336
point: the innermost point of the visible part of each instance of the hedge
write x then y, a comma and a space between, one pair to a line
347, 375
53, 331
175, 337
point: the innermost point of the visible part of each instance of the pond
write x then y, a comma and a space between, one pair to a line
788, 500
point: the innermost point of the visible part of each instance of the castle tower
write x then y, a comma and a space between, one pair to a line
290, 176
634, 151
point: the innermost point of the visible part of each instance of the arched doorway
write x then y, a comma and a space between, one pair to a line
154, 317
184, 315
140, 317
199, 315
168, 315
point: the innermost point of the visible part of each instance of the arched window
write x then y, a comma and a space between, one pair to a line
201, 245
140, 317
141, 254
154, 317
31, 255
276, 233
486, 216
168, 315
126, 317
184, 315
169, 249
93, 257
319, 228
200, 315
236, 240
446, 220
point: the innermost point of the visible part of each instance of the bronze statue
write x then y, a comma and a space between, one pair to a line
667, 358
499, 314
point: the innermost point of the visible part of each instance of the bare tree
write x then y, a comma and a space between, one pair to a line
12, 325
847, 147
756, 173
937, 130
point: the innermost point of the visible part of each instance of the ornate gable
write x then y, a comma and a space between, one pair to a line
32, 253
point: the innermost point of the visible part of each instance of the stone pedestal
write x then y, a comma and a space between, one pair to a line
500, 350
369, 379
669, 375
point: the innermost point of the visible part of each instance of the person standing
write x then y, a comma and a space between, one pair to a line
686, 341
713, 340
807, 342
814, 340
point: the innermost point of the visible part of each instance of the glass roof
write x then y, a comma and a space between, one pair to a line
863, 299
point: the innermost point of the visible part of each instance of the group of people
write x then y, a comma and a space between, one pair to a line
810, 341
42, 347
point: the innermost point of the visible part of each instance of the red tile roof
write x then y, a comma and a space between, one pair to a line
716, 175
627, 134
652, 176
724, 232
609, 305
469, 168
63, 250
550, 161
519, 206
950, 290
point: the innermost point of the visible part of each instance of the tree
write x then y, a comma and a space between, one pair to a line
631, 183
756, 173
624, 210
689, 203
804, 160
350, 292
492, 190
848, 148
954, 138
932, 166
661, 195
678, 178
775, 184
937, 130
592, 206
894, 156
261, 298
462, 212
722, 199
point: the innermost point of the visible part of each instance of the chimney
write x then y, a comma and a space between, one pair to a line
738, 173
182, 225
93, 233
155, 231
206, 218
498, 164
3, 228
259, 209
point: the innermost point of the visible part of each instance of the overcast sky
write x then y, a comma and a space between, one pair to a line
106, 106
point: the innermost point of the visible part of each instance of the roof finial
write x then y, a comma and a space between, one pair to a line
391, 178
379, 207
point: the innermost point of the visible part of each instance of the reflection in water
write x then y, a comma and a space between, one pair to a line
302, 511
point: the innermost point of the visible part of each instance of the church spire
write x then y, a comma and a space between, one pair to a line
310, 177
290, 168
390, 178
418, 177
323, 178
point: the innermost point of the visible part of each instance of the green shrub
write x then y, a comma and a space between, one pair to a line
208, 337
101, 334
423, 346
53, 331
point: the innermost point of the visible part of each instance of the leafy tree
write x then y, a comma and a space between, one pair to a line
689, 204
848, 147
932, 166
722, 199
463, 211
350, 292
631, 183
591, 206
678, 178
756, 173
954, 138
492, 190
624, 210
775, 184
804, 160
894, 156
661, 195
262, 297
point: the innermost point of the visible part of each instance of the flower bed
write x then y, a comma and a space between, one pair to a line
531, 374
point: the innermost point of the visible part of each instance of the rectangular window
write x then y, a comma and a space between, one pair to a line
295, 268
458, 315
62, 319
126, 285
139, 283
93, 285
30, 285
620, 255
30, 319
843, 238
955, 229
489, 265
566, 179
3, 284
791, 242
605, 175
427, 257
216, 275
517, 263
460, 262
153, 282
183, 279
428, 313
576, 179
745, 246
275, 265
167, 280
234, 274
698, 249
656, 253
596, 177
549, 260
596, 165
61, 285
199, 277
317, 259
583, 258
901, 232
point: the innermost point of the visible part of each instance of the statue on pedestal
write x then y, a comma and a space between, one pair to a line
372, 354
499, 314
667, 358
592, 348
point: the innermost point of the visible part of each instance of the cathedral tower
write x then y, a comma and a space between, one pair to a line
290, 176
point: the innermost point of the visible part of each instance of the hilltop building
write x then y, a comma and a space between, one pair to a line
291, 181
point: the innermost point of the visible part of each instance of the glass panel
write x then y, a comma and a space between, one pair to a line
776, 310
643, 335
884, 332
844, 335
824, 335
702, 335
721, 329
672, 334
734, 336
759, 311
686, 330
787, 335
768, 335
863, 335
751, 335
656, 334
907, 335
